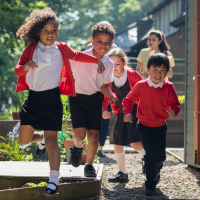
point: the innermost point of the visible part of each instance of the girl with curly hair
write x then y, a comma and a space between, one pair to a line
45, 71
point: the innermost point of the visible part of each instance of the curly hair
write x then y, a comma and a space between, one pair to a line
34, 23
103, 27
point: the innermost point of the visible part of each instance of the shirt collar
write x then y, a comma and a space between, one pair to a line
123, 76
152, 84
42, 46
90, 51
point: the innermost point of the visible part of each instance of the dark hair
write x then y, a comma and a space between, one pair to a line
103, 27
158, 59
35, 22
163, 46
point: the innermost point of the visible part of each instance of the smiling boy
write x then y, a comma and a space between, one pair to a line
91, 87
157, 101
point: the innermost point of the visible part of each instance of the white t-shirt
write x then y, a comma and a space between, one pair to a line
87, 79
47, 75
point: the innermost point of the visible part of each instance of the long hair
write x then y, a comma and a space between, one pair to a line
163, 46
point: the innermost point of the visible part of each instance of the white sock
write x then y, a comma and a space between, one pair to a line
41, 144
142, 152
78, 147
121, 161
54, 177
88, 164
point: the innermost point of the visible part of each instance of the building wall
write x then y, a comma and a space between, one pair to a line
189, 88
177, 42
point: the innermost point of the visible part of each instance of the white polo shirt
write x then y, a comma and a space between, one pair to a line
87, 79
47, 75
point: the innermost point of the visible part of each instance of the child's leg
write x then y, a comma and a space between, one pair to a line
120, 157
150, 156
76, 151
51, 144
27, 135
79, 136
93, 139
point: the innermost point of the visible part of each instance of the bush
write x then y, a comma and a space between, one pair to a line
8, 153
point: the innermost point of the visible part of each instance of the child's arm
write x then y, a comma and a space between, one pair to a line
83, 57
108, 93
173, 103
19, 68
128, 102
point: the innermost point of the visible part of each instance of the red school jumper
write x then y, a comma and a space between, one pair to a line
67, 82
153, 103
133, 78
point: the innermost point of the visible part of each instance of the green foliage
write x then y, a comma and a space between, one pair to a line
77, 22
181, 98
13, 152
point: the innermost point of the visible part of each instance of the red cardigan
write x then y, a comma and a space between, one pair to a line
153, 103
67, 83
133, 78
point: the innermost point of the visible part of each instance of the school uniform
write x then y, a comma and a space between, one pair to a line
43, 108
124, 133
86, 107
152, 117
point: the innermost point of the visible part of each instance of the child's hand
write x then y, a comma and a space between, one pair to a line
30, 65
101, 67
128, 118
171, 114
106, 115
113, 100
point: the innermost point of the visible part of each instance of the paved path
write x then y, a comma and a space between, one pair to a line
39, 169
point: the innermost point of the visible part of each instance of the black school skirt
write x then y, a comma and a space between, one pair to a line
86, 110
43, 110
126, 133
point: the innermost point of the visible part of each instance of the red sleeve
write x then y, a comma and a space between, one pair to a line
173, 101
19, 68
130, 99
79, 56
107, 100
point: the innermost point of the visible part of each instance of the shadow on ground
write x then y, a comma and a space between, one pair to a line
107, 160
120, 192
195, 172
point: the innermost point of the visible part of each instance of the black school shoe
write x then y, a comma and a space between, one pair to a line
89, 171
119, 177
76, 155
101, 154
40, 152
150, 191
157, 177
50, 192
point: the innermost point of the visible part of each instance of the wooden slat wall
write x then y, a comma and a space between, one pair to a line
189, 86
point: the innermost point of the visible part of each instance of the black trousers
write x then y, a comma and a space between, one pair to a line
154, 142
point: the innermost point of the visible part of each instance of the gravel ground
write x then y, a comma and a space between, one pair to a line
177, 180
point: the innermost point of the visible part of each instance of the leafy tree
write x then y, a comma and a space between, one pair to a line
76, 23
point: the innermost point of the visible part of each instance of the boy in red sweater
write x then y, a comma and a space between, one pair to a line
157, 101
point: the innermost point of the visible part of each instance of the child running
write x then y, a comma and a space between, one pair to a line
45, 71
125, 133
152, 114
86, 107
